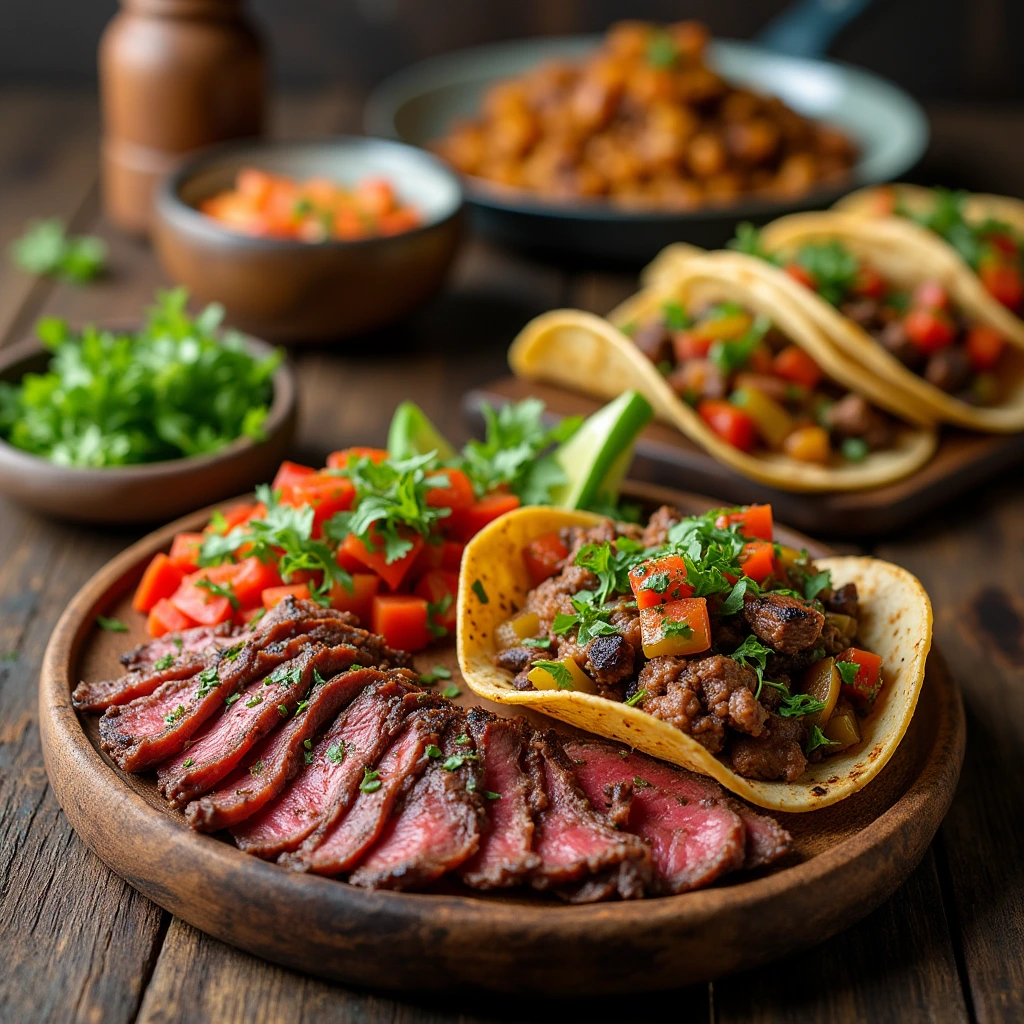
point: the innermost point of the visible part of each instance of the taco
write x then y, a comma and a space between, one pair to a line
790, 681
899, 302
986, 231
740, 369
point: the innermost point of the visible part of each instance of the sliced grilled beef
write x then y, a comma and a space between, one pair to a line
693, 838
575, 842
326, 786
843, 601
140, 682
340, 846
261, 708
511, 770
198, 640
782, 622
436, 827
277, 759
767, 840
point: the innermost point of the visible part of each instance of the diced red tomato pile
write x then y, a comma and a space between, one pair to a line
410, 601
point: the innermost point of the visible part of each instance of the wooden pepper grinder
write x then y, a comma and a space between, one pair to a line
175, 75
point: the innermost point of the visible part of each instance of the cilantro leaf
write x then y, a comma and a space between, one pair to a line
672, 627
833, 267
111, 625
848, 671
815, 584
798, 704
755, 654
816, 740
46, 248
557, 670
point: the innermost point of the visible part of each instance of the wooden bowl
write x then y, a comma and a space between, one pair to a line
154, 491
293, 291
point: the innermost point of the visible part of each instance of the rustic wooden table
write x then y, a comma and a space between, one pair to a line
76, 942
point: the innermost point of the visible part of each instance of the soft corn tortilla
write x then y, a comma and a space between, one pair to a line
895, 623
906, 255
587, 353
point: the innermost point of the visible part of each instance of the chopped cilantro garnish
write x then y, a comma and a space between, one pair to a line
254, 700
284, 675
282, 710
848, 671
456, 761
733, 354
451, 692
209, 680
256, 768
432, 751
541, 642
481, 594
220, 590
172, 716
670, 627
231, 700
188, 762
336, 752
816, 740
815, 584
636, 699
434, 611
753, 653
557, 670
231, 653
300, 707
640, 783
674, 316
436, 673
111, 625
833, 267
462, 739
799, 704
491, 795
659, 582
371, 781
46, 248
163, 663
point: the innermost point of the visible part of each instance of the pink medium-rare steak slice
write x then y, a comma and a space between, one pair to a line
436, 826
767, 840
694, 838
327, 784
197, 640
278, 758
575, 842
511, 771
102, 694
151, 729
341, 845
261, 708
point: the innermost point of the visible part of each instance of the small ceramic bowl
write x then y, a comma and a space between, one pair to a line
156, 491
295, 291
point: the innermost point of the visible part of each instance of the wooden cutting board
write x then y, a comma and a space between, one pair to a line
846, 858
665, 456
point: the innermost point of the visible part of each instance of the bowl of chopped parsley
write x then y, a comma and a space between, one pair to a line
120, 425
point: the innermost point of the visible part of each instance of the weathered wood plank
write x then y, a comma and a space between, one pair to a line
78, 942
971, 560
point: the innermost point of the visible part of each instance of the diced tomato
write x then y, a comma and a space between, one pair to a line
348, 562
289, 474
451, 555
729, 423
325, 493
365, 586
931, 295
234, 516
392, 573
1004, 282
869, 282
760, 360
677, 628
185, 551
275, 595
544, 557
884, 201
1004, 243
161, 579
164, 617
867, 684
440, 588
339, 459
800, 273
430, 557
984, 346
402, 620
690, 345
482, 512
458, 494
758, 560
756, 521
929, 329
658, 580
250, 578
255, 185
200, 604
795, 365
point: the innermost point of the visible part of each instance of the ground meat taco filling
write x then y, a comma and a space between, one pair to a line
755, 388
921, 328
703, 622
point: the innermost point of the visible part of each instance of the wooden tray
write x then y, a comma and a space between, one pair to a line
665, 456
847, 858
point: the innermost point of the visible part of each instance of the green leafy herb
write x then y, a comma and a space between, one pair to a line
231, 700
557, 670
670, 628
848, 671
254, 700
833, 266
451, 692
675, 317
541, 642
816, 583
753, 653
336, 752
800, 704
46, 248
172, 716
231, 653
748, 241
463, 739
436, 673
220, 590
732, 354
636, 699
175, 388
300, 707
661, 50
659, 582
640, 783
111, 625
284, 675
854, 449
816, 740
434, 611
734, 602
282, 710
456, 761
178, 642
256, 768
188, 762
481, 594
318, 680
209, 680
491, 795
371, 781
433, 751
164, 663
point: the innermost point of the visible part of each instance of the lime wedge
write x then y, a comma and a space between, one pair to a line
412, 433
597, 457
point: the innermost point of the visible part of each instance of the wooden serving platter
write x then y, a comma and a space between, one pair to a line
665, 456
846, 860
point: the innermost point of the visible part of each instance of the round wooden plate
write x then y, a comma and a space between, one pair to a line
846, 858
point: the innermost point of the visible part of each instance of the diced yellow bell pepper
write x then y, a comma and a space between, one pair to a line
808, 444
821, 681
773, 423
515, 630
718, 328
555, 678
787, 556
842, 728
676, 628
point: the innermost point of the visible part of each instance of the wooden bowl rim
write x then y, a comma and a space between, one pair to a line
282, 407
182, 216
